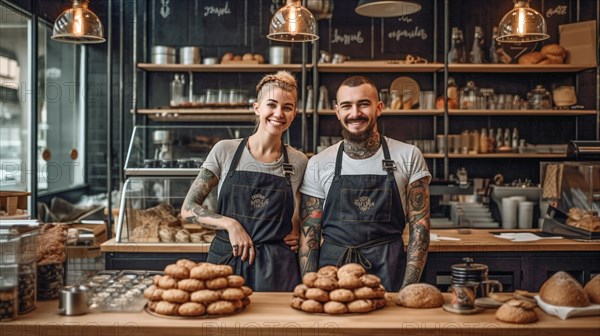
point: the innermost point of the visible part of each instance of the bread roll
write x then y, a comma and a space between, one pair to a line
420, 296
555, 50
592, 288
531, 58
562, 290
511, 312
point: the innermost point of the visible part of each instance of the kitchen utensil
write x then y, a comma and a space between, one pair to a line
163, 55
210, 60
280, 55
463, 295
73, 300
405, 85
189, 55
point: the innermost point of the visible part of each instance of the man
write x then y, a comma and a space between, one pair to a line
358, 195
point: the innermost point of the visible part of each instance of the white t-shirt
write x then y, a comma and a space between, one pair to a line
410, 167
221, 155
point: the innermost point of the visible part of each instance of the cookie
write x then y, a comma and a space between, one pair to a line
342, 295
205, 296
152, 305
300, 291
153, 293
175, 295
309, 279
317, 294
370, 280
379, 303
220, 308
355, 270
186, 263
360, 306
328, 271
177, 272
326, 283
166, 308
204, 271
222, 270
237, 304
247, 290
156, 278
333, 307
312, 306
191, 309
349, 282
216, 283
190, 285
232, 294
296, 303
167, 282
235, 281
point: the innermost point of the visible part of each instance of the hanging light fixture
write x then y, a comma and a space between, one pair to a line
386, 8
78, 25
522, 24
293, 23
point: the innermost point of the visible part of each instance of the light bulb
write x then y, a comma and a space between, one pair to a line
293, 19
78, 21
521, 22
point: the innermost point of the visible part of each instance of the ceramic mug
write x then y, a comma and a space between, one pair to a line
463, 295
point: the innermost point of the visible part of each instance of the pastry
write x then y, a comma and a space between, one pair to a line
309, 279
232, 294
562, 290
191, 309
355, 270
166, 234
156, 278
511, 312
237, 304
176, 271
216, 283
592, 288
246, 301
247, 290
222, 270
300, 291
182, 236
220, 308
205, 296
379, 303
531, 58
420, 295
360, 306
166, 308
368, 293
153, 293
342, 295
350, 282
327, 271
167, 282
235, 281
204, 271
326, 283
370, 280
190, 285
296, 303
186, 263
175, 295
317, 294
152, 305
312, 306
333, 307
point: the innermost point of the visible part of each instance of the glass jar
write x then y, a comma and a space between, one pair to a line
470, 97
395, 100
539, 99
28, 272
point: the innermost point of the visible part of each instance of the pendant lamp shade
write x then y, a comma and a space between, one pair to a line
522, 24
386, 8
293, 23
78, 25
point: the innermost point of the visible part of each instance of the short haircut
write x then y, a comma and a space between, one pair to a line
355, 81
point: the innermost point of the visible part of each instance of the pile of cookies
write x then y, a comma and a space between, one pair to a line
348, 289
191, 290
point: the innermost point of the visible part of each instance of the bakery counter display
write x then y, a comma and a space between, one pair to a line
191, 290
149, 212
175, 150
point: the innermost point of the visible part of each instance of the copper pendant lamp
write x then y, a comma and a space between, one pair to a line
522, 24
293, 23
386, 8
78, 24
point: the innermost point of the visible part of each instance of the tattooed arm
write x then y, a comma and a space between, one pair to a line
311, 214
193, 211
418, 225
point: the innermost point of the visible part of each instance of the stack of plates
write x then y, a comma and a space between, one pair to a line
475, 215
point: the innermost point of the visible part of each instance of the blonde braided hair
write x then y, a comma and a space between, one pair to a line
281, 79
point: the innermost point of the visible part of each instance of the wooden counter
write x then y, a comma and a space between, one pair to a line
478, 240
270, 314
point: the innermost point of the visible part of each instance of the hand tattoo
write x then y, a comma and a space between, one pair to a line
311, 214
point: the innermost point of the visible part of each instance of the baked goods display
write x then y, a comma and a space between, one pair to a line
561, 289
348, 289
584, 219
420, 295
229, 57
592, 289
188, 289
517, 311
549, 54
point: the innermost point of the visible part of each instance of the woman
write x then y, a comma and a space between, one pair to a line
258, 179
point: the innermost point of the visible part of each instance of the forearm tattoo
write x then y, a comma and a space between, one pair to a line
198, 192
311, 214
418, 240
364, 149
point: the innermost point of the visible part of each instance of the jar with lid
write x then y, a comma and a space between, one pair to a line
395, 100
469, 96
177, 88
28, 271
539, 98
9, 268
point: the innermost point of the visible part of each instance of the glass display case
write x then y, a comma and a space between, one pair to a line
572, 191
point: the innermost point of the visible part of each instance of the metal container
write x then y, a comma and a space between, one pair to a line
73, 300
189, 55
280, 55
163, 55
210, 60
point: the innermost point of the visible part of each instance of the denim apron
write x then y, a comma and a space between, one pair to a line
264, 204
363, 221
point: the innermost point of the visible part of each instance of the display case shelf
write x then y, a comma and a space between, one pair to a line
194, 114
378, 66
396, 112
232, 67
509, 156
519, 68
564, 113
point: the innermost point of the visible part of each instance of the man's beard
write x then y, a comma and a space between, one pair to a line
358, 137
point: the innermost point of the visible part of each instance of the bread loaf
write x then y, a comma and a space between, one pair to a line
531, 58
420, 296
562, 290
554, 50
592, 288
515, 311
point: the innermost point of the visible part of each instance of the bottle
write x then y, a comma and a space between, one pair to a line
476, 56
452, 91
491, 141
515, 139
499, 138
494, 47
475, 138
176, 91
461, 47
454, 53
483, 141
507, 138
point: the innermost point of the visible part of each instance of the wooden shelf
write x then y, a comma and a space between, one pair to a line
378, 66
190, 114
565, 113
220, 67
433, 155
509, 156
516, 68
397, 112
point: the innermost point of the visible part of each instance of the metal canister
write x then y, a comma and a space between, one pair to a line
189, 55
280, 55
163, 55
73, 300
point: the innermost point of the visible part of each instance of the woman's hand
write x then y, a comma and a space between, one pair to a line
291, 240
241, 243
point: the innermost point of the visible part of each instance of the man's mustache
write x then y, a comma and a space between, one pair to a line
349, 120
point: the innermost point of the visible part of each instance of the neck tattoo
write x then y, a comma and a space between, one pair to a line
364, 149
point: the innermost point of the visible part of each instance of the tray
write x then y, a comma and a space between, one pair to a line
555, 227
205, 316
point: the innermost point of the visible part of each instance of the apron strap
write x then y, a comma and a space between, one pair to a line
237, 156
288, 169
387, 163
353, 253
338, 163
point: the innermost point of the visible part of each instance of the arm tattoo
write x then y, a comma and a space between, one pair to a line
418, 221
202, 186
311, 214
362, 149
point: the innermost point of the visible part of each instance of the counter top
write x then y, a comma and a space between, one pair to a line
478, 240
270, 314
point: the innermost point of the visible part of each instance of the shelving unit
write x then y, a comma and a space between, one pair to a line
229, 67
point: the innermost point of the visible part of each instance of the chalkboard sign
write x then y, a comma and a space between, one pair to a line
218, 22
169, 23
556, 13
408, 34
350, 33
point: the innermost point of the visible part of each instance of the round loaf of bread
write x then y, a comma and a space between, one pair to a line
562, 290
592, 288
420, 295
531, 58
515, 314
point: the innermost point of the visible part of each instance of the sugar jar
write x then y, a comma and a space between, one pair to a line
539, 99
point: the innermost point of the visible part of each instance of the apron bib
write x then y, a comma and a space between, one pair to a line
363, 221
264, 204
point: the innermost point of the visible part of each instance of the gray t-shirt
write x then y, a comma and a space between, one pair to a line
219, 160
